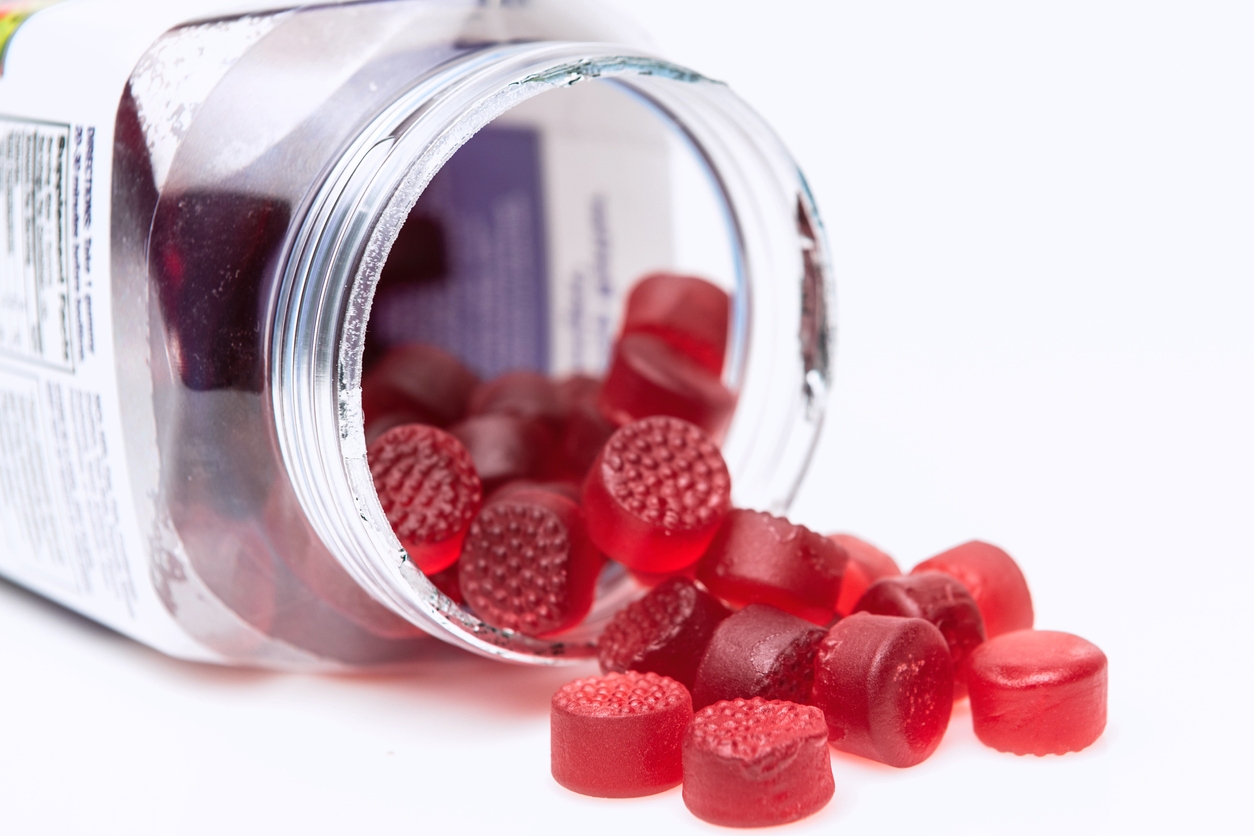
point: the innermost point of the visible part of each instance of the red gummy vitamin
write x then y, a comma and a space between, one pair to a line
867, 564
504, 447
936, 598
665, 632
417, 382
585, 430
519, 393
886, 686
1038, 692
619, 735
429, 490
687, 312
528, 565
994, 580
656, 494
647, 376
760, 651
760, 558
446, 581
756, 763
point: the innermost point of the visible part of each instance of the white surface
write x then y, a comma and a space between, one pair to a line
1042, 217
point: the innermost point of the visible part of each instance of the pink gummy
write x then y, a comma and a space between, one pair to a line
429, 490
760, 558
665, 632
886, 686
760, 651
756, 763
505, 447
689, 313
619, 735
418, 383
994, 581
936, 598
656, 494
1038, 692
528, 565
647, 376
867, 564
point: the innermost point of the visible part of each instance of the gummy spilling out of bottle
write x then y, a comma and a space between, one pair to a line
760, 643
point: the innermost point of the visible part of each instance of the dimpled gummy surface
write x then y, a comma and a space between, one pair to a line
886, 686
867, 564
1038, 692
619, 735
429, 491
656, 494
688, 312
756, 763
666, 631
937, 598
994, 580
528, 565
760, 558
760, 651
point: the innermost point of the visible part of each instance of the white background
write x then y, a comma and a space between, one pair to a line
1042, 221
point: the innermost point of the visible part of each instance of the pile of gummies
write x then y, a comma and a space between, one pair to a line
760, 643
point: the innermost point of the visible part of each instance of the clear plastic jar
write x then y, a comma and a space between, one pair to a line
264, 164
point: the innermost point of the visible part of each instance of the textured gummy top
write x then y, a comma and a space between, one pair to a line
668, 473
622, 695
426, 482
756, 730
514, 567
1035, 658
646, 624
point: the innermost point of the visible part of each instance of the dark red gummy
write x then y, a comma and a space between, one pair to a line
1038, 692
446, 580
867, 564
760, 651
619, 735
429, 490
665, 632
689, 313
522, 394
994, 581
528, 565
647, 376
505, 447
656, 494
760, 558
416, 383
756, 763
886, 686
585, 430
936, 598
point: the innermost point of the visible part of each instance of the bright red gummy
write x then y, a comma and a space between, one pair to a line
886, 686
760, 558
505, 447
867, 564
665, 632
647, 376
994, 581
1038, 692
429, 490
689, 313
656, 494
528, 565
619, 735
756, 763
936, 598
760, 651
420, 382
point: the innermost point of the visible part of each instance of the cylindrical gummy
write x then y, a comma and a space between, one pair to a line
688, 312
939, 599
760, 651
522, 394
586, 429
417, 379
429, 491
760, 558
867, 564
994, 580
666, 631
648, 376
1038, 692
756, 763
656, 494
528, 565
505, 447
619, 735
886, 686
